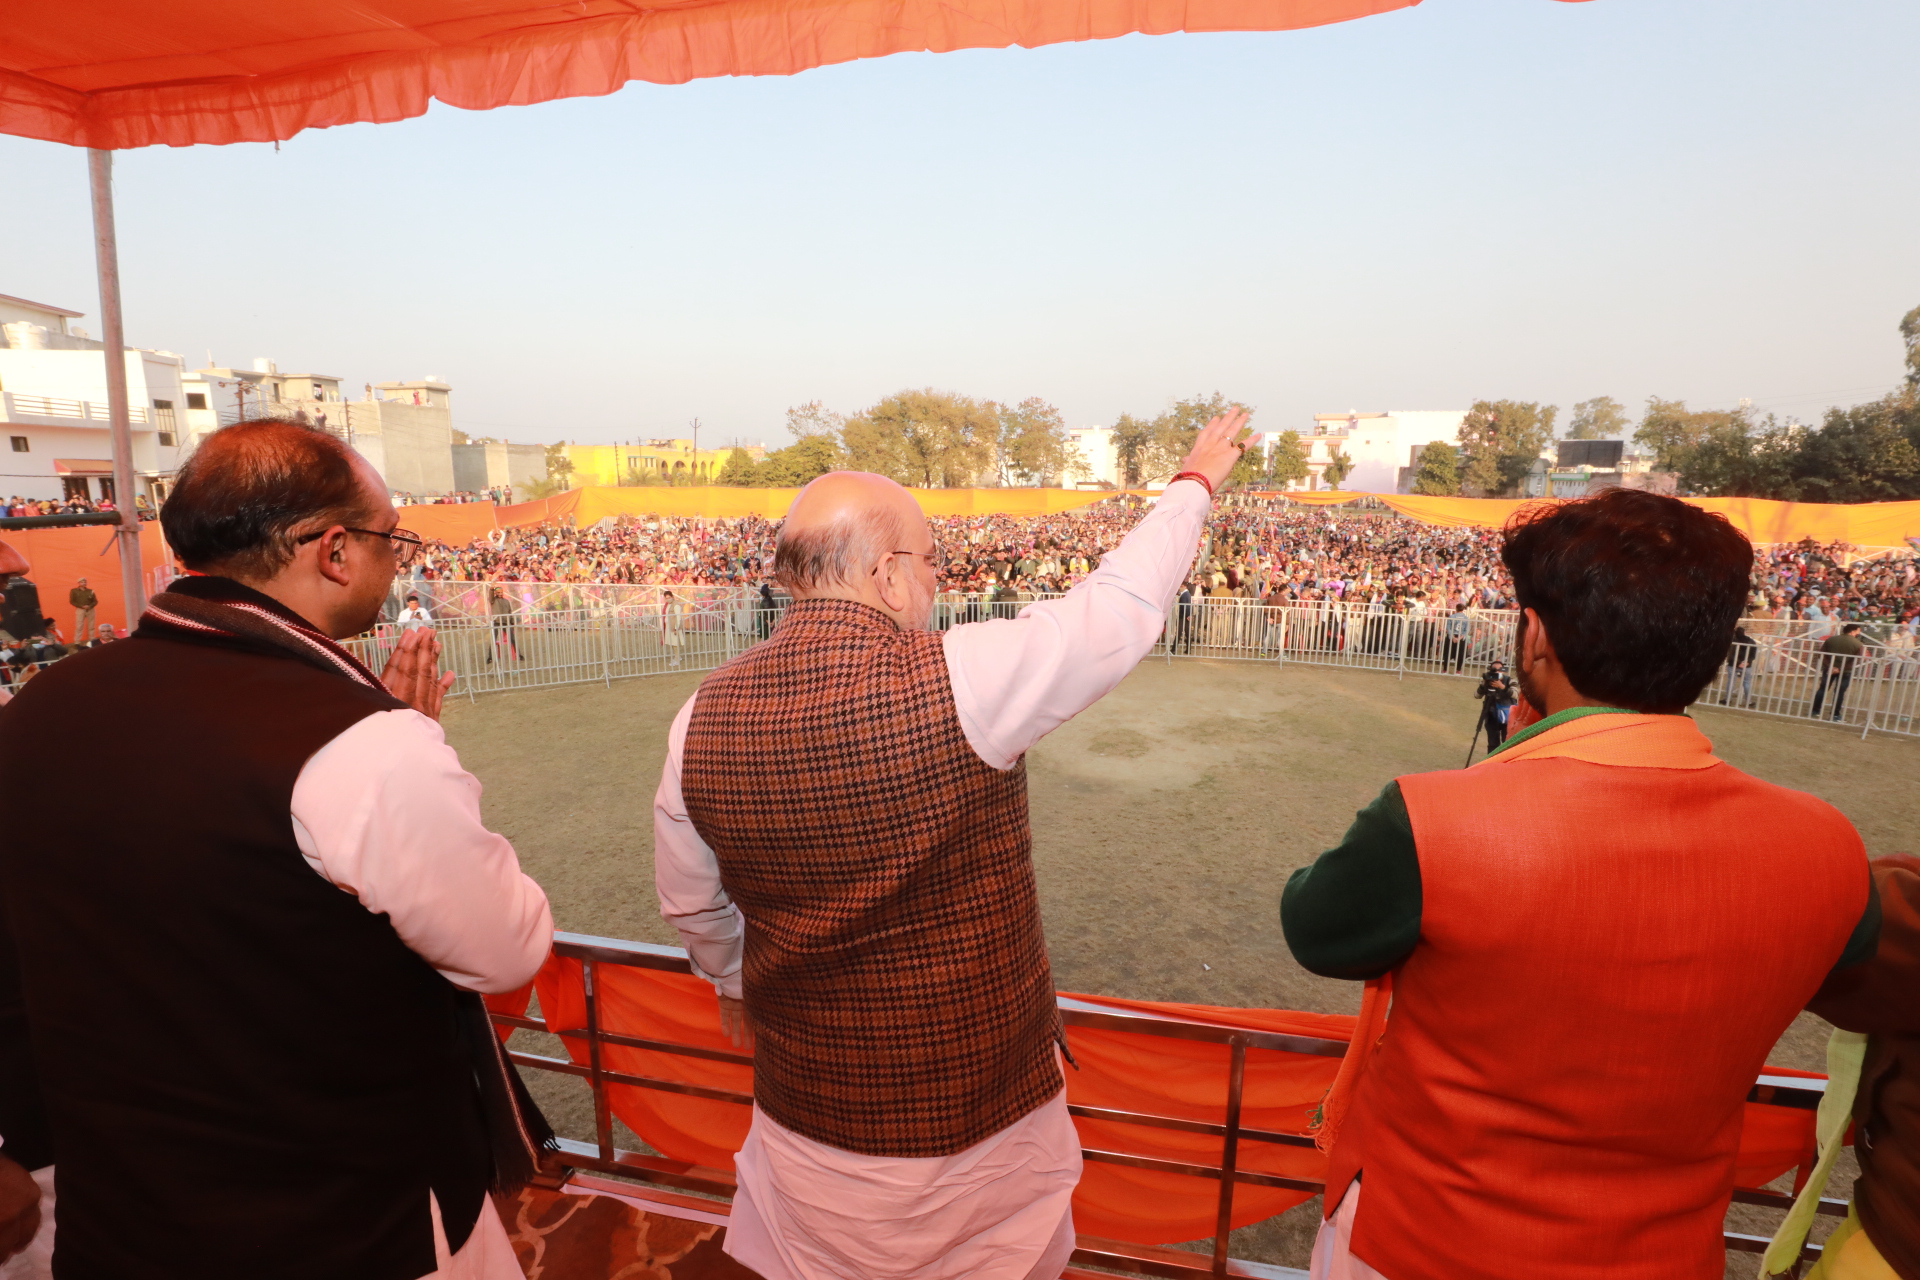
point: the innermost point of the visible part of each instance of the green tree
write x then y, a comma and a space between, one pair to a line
1439, 472
1286, 460
1154, 450
1910, 334
934, 439
1598, 418
1499, 441
812, 419
559, 466
1339, 467
1130, 438
1722, 452
1705, 448
738, 470
1869, 453
804, 460
1034, 446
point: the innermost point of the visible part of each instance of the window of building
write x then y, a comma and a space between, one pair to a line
20, 445
196, 400
166, 439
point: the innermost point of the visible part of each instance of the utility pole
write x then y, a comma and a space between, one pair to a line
107, 263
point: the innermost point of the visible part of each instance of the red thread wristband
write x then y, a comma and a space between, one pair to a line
1195, 475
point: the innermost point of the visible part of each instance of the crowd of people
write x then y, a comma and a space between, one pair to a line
500, 495
316, 844
1253, 548
71, 505
1812, 581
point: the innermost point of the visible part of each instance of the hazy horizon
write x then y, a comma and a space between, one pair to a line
1470, 199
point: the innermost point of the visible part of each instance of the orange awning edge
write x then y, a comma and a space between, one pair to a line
133, 75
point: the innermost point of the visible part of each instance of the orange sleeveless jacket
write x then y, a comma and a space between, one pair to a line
1615, 929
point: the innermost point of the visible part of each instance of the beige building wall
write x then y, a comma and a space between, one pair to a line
490, 463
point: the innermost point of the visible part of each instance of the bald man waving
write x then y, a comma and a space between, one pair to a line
841, 838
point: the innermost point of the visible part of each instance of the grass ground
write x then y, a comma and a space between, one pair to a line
1166, 819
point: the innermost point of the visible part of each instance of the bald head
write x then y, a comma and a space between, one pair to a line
839, 528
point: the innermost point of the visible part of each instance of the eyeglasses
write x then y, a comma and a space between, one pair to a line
936, 557
405, 542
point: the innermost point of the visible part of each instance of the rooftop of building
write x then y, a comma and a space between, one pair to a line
47, 307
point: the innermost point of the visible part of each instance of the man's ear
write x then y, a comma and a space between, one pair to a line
330, 555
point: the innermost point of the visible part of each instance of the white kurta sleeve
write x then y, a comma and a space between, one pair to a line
386, 813
1015, 680
687, 877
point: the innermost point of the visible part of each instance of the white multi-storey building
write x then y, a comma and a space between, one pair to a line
53, 408
1384, 447
1102, 457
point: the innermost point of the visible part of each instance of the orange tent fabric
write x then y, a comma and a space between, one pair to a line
124, 73
456, 523
463, 522
59, 558
1871, 524
1865, 524
1118, 1070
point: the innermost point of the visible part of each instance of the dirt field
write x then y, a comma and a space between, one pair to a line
1166, 819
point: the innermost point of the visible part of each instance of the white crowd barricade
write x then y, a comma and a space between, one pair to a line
548, 634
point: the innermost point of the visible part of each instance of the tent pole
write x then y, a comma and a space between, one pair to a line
107, 262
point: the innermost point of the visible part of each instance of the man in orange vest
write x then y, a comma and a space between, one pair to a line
1591, 938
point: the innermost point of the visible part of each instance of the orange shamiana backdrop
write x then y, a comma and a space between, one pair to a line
1869, 524
462, 522
59, 558
128, 73
1864, 524
1119, 1070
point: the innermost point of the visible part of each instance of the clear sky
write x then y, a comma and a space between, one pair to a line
1707, 200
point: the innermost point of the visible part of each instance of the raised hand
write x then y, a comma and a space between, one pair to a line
1218, 447
413, 673
735, 1023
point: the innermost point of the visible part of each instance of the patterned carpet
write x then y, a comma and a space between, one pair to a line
592, 1237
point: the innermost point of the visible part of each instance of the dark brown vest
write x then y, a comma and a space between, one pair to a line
247, 1073
895, 968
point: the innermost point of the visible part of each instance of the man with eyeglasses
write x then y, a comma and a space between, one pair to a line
277, 840
841, 838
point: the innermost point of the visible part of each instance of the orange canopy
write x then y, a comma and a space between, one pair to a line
130, 73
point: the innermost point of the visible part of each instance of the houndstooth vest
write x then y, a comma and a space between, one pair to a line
895, 968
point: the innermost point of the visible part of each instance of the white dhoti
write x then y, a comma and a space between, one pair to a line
1000, 1210
1332, 1256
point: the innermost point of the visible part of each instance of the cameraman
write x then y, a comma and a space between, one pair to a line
1497, 694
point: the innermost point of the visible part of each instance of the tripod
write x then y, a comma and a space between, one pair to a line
1479, 722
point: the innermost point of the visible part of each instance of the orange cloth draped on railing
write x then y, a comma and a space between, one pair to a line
1119, 1070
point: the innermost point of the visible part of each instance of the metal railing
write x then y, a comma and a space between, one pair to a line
533, 635
55, 407
602, 1156
522, 648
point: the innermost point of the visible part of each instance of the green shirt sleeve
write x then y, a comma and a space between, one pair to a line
1355, 913
1865, 940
